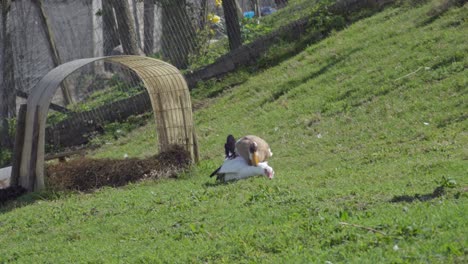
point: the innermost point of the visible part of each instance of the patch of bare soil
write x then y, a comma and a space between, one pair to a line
84, 174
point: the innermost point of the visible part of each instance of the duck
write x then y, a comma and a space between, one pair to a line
237, 168
253, 149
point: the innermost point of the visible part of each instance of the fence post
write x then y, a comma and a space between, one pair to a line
18, 147
31, 179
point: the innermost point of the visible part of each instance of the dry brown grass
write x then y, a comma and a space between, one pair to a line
85, 174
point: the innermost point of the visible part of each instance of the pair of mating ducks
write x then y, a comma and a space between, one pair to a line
244, 158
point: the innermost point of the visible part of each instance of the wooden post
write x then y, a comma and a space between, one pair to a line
34, 148
163, 128
18, 148
52, 106
184, 120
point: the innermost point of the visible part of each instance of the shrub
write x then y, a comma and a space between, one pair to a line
5, 157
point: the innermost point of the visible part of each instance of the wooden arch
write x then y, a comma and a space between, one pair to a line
169, 95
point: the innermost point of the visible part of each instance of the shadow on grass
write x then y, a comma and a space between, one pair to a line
439, 10
438, 192
11, 193
16, 197
214, 184
291, 84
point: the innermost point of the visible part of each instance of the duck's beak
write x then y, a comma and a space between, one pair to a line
254, 159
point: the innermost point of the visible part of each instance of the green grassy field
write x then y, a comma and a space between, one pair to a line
363, 126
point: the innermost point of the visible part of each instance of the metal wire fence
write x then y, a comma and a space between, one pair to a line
39, 35
46, 33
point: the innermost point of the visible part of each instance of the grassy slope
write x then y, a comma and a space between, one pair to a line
350, 128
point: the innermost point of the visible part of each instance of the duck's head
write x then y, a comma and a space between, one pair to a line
267, 170
253, 155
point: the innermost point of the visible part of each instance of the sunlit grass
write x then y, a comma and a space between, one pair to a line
139, 143
373, 114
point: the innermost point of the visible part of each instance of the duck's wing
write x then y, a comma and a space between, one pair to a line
215, 172
230, 166
233, 165
243, 173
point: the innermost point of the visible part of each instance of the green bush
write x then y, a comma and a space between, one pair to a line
5, 157
252, 28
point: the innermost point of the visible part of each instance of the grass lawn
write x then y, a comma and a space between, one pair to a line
364, 126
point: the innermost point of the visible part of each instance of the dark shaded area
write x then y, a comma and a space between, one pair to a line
437, 11
220, 90
438, 192
452, 119
11, 193
214, 184
86, 174
77, 129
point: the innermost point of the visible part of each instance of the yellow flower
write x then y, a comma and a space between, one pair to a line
213, 18
216, 19
218, 3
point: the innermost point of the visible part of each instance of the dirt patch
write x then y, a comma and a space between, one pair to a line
85, 174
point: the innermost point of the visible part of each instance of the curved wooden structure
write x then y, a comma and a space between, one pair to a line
170, 99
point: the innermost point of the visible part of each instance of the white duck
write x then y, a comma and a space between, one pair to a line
238, 168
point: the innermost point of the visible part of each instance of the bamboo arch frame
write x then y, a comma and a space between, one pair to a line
170, 100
